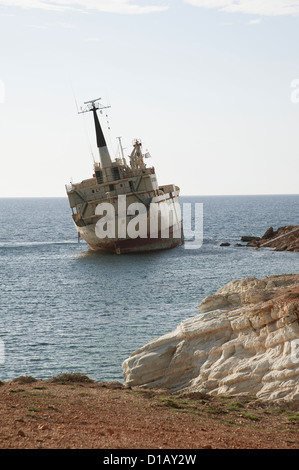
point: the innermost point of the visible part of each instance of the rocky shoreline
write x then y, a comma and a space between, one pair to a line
245, 341
283, 239
227, 378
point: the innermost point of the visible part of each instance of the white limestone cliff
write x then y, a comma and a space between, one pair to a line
245, 342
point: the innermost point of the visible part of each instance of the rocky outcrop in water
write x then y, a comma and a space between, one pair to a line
245, 342
283, 239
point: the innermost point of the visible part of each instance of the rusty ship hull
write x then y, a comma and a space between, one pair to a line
130, 245
169, 237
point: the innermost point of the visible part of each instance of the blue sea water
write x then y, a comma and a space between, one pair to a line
64, 308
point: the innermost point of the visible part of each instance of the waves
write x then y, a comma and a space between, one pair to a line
23, 244
63, 306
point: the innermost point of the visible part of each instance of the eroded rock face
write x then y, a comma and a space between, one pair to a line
245, 341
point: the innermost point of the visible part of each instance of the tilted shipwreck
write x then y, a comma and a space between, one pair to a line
122, 209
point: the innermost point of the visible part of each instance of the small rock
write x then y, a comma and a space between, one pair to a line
225, 244
249, 239
253, 243
21, 433
43, 427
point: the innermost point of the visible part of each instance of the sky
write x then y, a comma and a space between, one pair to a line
211, 87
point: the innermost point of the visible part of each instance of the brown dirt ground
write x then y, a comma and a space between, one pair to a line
71, 412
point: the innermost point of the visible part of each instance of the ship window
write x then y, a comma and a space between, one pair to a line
115, 171
99, 176
131, 186
111, 187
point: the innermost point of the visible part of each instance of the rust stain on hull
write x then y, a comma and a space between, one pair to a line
135, 245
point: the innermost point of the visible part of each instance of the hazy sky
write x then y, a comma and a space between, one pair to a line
210, 86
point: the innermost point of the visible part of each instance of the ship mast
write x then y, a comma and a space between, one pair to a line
93, 106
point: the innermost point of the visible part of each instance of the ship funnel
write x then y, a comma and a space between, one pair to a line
105, 158
101, 142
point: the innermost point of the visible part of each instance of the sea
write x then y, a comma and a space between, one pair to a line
67, 309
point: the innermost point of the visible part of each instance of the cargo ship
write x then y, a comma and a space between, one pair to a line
122, 209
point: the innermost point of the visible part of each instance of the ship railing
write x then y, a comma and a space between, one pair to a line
83, 184
129, 173
87, 183
170, 189
132, 172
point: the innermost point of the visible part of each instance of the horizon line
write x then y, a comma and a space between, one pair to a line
181, 195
